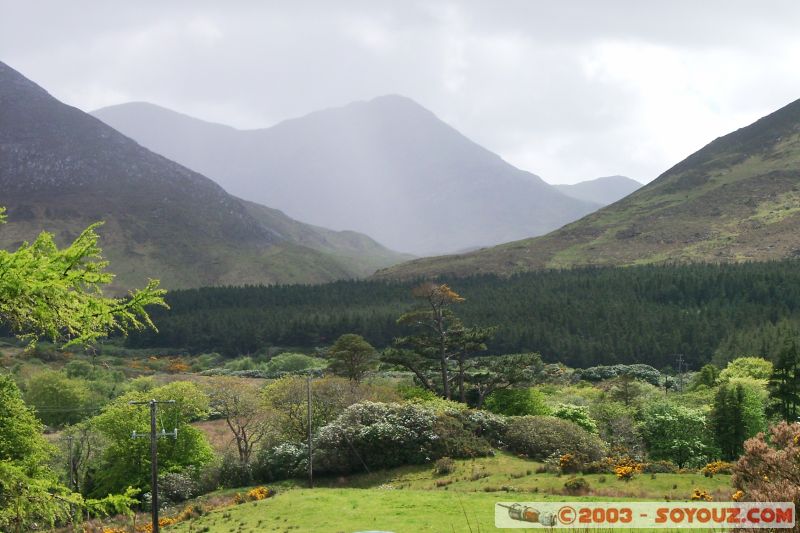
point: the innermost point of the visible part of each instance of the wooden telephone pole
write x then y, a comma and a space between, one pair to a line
153, 436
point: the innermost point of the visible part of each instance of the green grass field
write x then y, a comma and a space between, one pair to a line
412, 499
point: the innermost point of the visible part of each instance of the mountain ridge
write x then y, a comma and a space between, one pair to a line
603, 191
736, 199
62, 169
385, 166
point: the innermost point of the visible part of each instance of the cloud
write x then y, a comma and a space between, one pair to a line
569, 90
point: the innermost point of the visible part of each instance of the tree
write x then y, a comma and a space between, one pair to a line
737, 415
490, 374
54, 293
239, 403
57, 293
784, 383
437, 340
626, 389
746, 367
706, 377
469, 341
27, 486
441, 340
126, 461
286, 401
58, 400
674, 433
352, 357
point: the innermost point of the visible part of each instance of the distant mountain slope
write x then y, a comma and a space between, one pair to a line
387, 167
61, 169
602, 191
737, 199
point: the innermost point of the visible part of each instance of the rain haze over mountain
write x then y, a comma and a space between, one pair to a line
566, 90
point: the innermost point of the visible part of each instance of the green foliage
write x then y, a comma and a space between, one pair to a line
624, 388
57, 293
438, 337
352, 356
517, 402
29, 491
541, 437
784, 383
577, 414
28, 501
113, 504
286, 401
637, 371
737, 415
612, 315
21, 440
376, 435
125, 461
706, 377
489, 374
747, 367
58, 399
288, 363
674, 433
616, 425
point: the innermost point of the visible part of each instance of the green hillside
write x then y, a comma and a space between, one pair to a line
737, 199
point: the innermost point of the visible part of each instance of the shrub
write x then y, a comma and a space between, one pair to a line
577, 414
627, 468
517, 402
490, 426
701, 495
260, 493
717, 467
454, 439
178, 487
288, 363
540, 437
444, 466
569, 463
603, 466
769, 470
660, 467
376, 435
233, 472
576, 486
283, 461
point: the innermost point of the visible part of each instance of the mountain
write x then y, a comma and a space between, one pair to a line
602, 191
736, 199
387, 167
62, 169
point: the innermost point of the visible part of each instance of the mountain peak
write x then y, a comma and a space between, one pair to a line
385, 166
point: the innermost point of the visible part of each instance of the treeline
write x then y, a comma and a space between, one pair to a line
582, 317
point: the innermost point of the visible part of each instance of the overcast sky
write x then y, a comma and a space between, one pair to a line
567, 90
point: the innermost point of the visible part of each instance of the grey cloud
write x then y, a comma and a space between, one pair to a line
569, 90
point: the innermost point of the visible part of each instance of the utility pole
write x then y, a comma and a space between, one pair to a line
681, 366
72, 481
310, 452
153, 436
